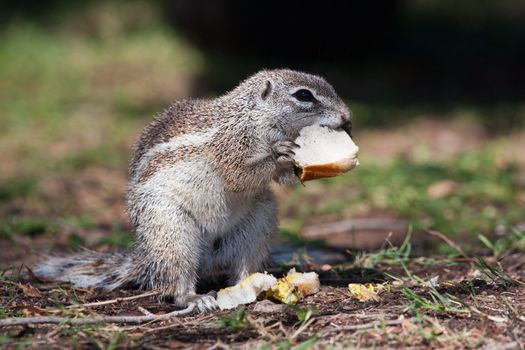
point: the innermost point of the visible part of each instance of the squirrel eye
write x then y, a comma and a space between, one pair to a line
304, 95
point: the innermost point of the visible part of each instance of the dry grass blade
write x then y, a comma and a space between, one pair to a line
302, 328
373, 324
448, 241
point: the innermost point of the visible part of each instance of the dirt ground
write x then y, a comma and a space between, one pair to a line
430, 301
471, 307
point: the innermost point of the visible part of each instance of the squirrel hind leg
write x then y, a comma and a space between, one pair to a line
87, 270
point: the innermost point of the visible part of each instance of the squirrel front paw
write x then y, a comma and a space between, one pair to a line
283, 152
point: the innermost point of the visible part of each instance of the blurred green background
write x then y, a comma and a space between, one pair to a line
436, 89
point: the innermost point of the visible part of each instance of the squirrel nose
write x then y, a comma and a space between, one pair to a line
347, 127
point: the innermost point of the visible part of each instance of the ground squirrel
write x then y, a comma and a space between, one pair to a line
199, 196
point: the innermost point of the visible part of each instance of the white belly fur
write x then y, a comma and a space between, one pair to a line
198, 188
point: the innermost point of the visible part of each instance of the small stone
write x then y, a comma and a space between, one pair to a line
326, 267
267, 306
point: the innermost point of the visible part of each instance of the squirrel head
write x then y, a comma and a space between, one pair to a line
288, 101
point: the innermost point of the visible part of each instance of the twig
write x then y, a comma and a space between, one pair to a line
16, 321
509, 346
447, 241
117, 300
144, 311
356, 327
197, 321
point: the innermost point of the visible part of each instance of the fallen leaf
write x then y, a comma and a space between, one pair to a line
177, 344
30, 291
32, 310
443, 188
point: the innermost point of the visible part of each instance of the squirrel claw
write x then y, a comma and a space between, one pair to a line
285, 147
204, 303
207, 303
284, 152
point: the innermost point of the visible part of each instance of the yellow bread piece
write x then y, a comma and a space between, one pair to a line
288, 289
293, 286
367, 292
246, 291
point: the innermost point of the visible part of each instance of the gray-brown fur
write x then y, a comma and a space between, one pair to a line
161, 160
179, 118
199, 195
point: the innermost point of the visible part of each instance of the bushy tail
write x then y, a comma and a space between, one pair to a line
89, 269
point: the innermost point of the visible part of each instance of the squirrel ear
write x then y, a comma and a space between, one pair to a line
267, 90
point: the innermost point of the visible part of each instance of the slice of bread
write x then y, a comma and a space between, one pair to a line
324, 152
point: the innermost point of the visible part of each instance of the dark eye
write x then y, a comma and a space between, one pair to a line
304, 95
